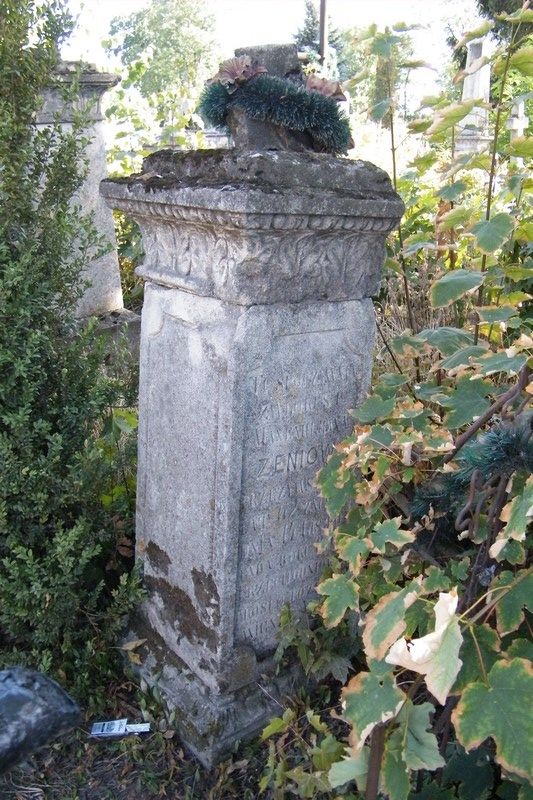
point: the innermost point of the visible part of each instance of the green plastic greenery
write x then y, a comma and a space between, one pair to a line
281, 102
66, 490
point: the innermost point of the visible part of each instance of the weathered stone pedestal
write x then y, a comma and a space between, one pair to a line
257, 338
104, 294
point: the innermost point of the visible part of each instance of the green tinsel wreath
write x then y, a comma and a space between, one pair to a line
281, 102
505, 449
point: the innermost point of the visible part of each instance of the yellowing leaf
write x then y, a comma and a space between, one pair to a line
435, 655
133, 645
476, 33
522, 60
517, 514
369, 699
354, 768
386, 621
522, 147
516, 594
389, 532
450, 115
341, 594
501, 709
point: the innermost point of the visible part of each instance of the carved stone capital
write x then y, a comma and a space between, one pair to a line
260, 227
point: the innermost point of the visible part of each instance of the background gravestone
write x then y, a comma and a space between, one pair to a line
257, 337
472, 131
104, 295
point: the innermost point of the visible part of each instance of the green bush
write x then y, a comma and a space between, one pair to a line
63, 585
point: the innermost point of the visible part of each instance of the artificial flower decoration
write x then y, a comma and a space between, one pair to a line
328, 88
236, 71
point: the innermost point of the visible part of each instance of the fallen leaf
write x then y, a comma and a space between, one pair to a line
133, 645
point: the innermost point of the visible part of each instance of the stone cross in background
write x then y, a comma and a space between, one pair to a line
472, 133
104, 295
257, 338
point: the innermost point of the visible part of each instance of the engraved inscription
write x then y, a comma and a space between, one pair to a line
296, 409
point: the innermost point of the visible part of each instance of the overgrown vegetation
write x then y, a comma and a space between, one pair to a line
66, 484
425, 614
431, 497
167, 52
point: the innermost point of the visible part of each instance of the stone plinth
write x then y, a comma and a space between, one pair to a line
104, 294
256, 340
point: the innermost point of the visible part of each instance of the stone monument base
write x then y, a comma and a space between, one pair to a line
210, 723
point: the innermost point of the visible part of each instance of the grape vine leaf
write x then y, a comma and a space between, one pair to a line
374, 408
517, 514
522, 60
394, 772
500, 709
522, 147
462, 357
420, 749
450, 115
479, 652
386, 621
389, 532
520, 648
502, 362
512, 552
452, 191
354, 768
436, 580
453, 285
380, 110
522, 15
435, 655
446, 339
511, 603
525, 792
337, 486
308, 784
341, 594
459, 215
368, 700
476, 33
326, 753
492, 233
352, 550
494, 314
468, 400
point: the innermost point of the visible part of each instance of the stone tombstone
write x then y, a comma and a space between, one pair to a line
472, 133
256, 340
104, 295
